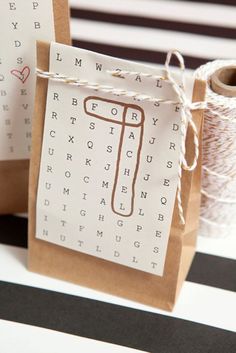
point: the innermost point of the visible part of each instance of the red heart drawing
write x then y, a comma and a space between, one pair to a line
21, 75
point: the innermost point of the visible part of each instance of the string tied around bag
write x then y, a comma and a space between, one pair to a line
186, 107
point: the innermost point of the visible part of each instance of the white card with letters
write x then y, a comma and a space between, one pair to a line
109, 163
22, 22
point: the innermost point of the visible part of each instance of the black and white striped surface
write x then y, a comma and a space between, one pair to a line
52, 313
144, 30
202, 321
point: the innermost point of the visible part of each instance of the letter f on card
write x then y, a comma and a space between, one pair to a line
130, 117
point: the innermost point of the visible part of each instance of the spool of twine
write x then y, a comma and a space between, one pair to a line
218, 205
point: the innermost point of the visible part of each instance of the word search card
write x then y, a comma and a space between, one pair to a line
21, 24
109, 162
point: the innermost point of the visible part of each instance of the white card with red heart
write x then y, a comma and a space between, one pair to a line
21, 24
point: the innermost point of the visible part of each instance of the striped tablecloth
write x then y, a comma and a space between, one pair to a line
204, 319
144, 30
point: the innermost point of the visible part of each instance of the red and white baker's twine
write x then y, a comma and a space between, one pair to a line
186, 106
218, 206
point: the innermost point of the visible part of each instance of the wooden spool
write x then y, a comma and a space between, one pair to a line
223, 81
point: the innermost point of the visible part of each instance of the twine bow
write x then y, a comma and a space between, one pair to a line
186, 107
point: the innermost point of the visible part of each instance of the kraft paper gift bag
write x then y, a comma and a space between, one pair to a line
106, 188
21, 23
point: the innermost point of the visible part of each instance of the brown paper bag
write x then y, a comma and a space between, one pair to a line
69, 265
14, 173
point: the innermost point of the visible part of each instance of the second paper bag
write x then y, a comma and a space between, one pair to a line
21, 24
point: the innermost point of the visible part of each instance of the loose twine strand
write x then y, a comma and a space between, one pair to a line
218, 205
186, 106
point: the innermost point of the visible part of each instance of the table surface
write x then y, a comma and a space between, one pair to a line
40, 314
49, 310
